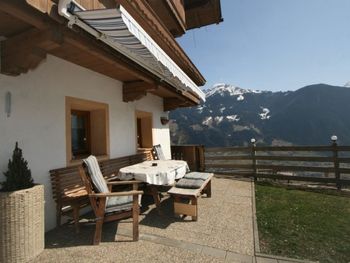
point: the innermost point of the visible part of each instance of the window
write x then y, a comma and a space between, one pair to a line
144, 129
80, 130
87, 129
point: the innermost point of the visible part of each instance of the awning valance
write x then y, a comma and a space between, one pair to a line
122, 32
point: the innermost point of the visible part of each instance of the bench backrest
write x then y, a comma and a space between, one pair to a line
65, 182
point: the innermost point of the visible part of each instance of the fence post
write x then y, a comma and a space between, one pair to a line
253, 158
336, 161
201, 160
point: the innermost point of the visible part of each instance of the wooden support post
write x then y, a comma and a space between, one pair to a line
336, 161
254, 158
200, 158
193, 152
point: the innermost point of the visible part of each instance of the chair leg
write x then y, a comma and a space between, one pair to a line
100, 213
58, 215
135, 218
76, 218
98, 231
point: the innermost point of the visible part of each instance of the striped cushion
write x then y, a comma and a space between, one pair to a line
113, 204
119, 203
96, 174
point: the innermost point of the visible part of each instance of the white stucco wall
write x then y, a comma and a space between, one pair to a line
37, 120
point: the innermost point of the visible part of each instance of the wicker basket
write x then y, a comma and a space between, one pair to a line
21, 224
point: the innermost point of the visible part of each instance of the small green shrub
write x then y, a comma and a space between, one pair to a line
18, 175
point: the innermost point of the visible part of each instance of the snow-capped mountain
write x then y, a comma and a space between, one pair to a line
232, 116
227, 89
347, 84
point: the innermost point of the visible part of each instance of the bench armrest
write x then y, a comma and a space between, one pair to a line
126, 193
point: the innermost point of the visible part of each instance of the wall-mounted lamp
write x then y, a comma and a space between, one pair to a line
8, 104
164, 120
334, 138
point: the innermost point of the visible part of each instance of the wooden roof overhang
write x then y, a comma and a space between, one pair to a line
202, 12
172, 14
181, 15
31, 35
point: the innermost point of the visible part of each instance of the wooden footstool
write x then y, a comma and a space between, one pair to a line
187, 191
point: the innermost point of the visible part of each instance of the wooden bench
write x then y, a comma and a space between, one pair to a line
69, 191
186, 200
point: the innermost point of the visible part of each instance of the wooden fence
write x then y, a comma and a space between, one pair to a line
323, 164
192, 154
329, 164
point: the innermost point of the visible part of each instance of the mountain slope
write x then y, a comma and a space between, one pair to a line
232, 116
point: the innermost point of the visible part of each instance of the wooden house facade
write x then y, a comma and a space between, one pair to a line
82, 77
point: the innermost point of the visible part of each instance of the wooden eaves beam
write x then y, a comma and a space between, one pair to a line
136, 90
96, 48
174, 103
23, 12
25, 51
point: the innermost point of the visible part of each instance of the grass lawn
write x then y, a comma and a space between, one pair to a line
304, 225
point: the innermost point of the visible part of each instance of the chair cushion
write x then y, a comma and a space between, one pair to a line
197, 176
189, 183
118, 203
115, 203
96, 174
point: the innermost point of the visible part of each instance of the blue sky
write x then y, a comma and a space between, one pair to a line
274, 44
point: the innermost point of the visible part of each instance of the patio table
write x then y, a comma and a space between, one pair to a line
155, 173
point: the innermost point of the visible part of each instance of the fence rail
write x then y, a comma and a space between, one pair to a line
324, 164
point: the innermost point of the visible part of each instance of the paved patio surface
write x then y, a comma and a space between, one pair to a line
223, 233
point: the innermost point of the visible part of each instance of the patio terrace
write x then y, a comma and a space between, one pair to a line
224, 231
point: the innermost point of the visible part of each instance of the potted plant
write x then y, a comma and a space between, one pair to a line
22, 212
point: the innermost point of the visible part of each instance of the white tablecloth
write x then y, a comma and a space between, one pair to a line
164, 173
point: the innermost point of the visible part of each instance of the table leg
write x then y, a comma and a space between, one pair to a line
156, 197
194, 202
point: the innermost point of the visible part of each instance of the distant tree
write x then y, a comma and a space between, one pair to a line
18, 175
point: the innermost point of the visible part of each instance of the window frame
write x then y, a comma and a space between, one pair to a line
87, 128
77, 104
148, 137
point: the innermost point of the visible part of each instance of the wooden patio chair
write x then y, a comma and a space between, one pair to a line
108, 205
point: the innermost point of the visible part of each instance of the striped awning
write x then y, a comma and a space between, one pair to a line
123, 33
